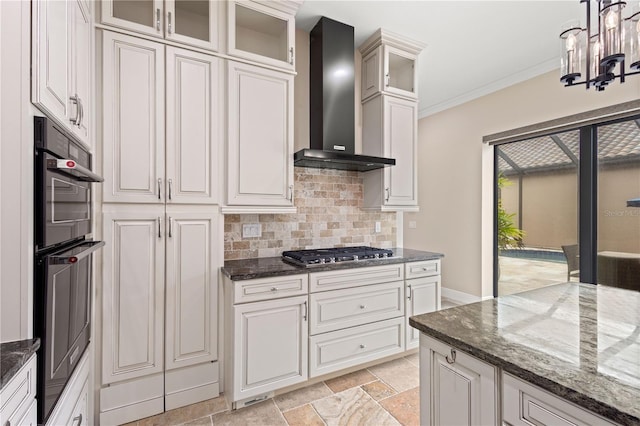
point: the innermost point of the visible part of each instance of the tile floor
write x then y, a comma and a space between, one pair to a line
384, 394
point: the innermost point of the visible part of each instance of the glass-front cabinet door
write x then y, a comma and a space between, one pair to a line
262, 34
193, 22
399, 72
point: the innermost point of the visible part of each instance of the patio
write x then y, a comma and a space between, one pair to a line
519, 274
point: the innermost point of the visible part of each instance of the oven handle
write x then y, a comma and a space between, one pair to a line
65, 165
70, 260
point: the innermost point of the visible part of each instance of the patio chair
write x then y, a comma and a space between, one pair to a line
573, 261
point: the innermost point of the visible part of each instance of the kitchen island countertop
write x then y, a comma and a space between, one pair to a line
245, 269
580, 342
13, 355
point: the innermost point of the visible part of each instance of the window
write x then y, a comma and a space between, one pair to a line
568, 208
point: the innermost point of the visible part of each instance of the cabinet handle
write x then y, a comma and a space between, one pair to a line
305, 311
159, 188
170, 185
7, 423
362, 346
362, 306
274, 288
291, 56
409, 292
75, 100
386, 83
81, 111
453, 357
388, 195
158, 19
159, 229
78, 418
169, 27
170, 227
291, 193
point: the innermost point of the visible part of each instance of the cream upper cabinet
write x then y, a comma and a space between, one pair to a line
389, 129
389, 65
263, 31
61, 62
260, 139
138, 166
190, 22
133, 119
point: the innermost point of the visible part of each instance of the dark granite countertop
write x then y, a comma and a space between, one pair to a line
578, 341
13, 355
246, 269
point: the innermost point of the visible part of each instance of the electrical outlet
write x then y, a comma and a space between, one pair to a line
378, 227
251, 230
412, 224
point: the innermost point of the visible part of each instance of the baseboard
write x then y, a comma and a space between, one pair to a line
459, 296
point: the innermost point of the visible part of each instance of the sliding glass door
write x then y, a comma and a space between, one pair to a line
568, 208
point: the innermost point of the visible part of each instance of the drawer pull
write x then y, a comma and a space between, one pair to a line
362, 306
453, 357
274, 288
363, 346
424, 268
78, 418
306, 312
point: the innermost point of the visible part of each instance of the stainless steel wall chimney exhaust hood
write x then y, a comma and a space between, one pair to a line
332, 102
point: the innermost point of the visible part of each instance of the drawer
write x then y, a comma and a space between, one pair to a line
346, 278
270, 288
19, 393
345, 348
333, 310
526, 404
423, 268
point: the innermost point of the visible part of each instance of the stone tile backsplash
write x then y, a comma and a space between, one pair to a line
329, 215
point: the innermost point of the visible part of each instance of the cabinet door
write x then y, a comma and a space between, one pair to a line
81, 71
270, 343
260, 33
51, 64
423, 295
193, 22
457, 389
193, 135
371, 74
191, 287
143, 16
399, 72
400, 142
260, 161
133, 119
133, 292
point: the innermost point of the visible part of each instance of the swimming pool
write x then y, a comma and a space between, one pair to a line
535, 254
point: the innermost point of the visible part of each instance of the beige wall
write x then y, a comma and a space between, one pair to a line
455, 170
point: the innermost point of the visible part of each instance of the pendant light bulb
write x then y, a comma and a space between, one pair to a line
611, 21
571, 42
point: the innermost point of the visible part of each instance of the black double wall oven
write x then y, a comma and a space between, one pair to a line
63, 252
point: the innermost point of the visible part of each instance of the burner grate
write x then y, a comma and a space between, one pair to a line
334, 255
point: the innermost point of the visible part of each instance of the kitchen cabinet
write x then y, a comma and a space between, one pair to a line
160, 279
18, 397
390, 129
73, 406
260, 140
389, 65
526, 404
423, 289
190, 22
142, 163
61, 62
266, 340
357, 315
263, 31
456, 388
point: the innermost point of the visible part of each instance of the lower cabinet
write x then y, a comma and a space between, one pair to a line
266, 340
456, 388
159, 309
73, 406
18, 397
423, 288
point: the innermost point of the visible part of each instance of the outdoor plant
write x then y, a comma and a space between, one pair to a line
509, 235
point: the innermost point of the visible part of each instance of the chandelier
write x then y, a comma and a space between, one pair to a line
594, 54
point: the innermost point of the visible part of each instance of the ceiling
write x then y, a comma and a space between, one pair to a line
473, 47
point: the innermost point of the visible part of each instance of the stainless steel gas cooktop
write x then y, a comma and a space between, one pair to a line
334, 255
